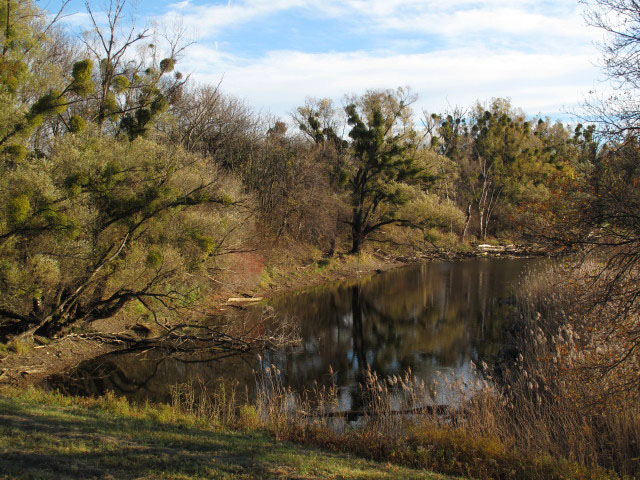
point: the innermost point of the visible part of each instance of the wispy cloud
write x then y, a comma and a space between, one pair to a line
209, 20
449, 18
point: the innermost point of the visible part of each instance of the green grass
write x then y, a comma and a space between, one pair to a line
45, 435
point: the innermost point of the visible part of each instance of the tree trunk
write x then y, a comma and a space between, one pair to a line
481, 215
358, 241
357, 230
466, 223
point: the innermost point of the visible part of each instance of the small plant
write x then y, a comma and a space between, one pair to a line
18, 347
248, 417
323, 262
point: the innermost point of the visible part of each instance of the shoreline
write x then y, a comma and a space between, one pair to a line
36, 363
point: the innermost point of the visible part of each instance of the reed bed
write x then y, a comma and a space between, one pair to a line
535, 417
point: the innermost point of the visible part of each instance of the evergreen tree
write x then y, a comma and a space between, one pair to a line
383, 165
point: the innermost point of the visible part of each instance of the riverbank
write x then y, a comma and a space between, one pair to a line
29, 363
247, 276
48, 435
481, 440
45, 435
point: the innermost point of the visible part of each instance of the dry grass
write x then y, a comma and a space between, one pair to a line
538, 419
46, 435
476, 439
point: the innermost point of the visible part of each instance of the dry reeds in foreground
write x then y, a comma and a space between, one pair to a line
539, 420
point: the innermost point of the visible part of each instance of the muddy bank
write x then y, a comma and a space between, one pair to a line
32, 363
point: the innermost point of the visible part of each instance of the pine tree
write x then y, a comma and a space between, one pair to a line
383, 163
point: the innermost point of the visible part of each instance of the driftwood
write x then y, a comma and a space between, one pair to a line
244, 299
353, 414
194, 339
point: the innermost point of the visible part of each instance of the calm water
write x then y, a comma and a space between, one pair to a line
429, 318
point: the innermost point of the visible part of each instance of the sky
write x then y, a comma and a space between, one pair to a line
452, 53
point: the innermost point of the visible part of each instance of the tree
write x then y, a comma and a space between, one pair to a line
130, 91
619, 114
102, 223
382, 166
597, 214
506, 162
99, 221
32, 89
219, 126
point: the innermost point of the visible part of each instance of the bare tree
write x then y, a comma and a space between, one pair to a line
617, 114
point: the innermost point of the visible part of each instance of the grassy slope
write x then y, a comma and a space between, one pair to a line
49, 436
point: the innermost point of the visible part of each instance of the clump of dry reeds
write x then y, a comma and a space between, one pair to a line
570, 396
538, 420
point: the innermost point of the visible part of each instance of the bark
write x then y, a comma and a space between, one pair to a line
466, 223
358, 240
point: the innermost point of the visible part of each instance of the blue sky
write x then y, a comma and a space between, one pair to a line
274, 53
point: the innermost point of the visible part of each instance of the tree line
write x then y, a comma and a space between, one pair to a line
124, 183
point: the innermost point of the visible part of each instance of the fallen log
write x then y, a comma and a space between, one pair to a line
353, 414
244, 300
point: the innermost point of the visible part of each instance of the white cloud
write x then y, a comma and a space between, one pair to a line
538, 52
449, 18
495, 22
180, 5
281, 80
81, 20
208, 20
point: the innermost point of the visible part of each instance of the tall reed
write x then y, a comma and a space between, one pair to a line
533, 418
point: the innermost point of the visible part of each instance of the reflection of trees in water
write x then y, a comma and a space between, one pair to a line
151, 375
103, 374
427, 318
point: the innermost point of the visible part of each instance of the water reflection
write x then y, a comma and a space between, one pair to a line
429, 318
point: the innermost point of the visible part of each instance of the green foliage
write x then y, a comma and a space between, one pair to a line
110, 104
19, 207
121, 83
248, 417
77, 124
383, 163
167, 65
428, 211
82, 83
102, 199
154, 258
12, 74
17, 346
50, 104
159, 105
15, 153
507, 163
204, 242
